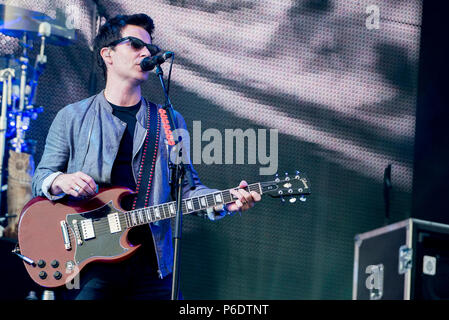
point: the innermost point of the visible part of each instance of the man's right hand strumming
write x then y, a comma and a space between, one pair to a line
78, 185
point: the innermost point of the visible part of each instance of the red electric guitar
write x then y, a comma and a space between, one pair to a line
58, 239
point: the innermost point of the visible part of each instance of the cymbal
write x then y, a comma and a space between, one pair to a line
15, 22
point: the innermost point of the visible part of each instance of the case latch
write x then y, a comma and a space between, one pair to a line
405, 259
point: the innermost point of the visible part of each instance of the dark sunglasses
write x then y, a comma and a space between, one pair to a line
137, 44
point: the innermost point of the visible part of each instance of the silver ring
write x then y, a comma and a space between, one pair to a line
77, 188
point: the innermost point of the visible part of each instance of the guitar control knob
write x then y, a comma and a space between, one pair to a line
57, 275
55, 263
41, 263
42, 274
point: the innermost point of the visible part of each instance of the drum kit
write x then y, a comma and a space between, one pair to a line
19, 77
18, 86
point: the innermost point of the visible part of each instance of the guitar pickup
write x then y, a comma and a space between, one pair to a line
114, 222
87, 227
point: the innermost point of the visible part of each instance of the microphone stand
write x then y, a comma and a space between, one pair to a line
387, 191
178, 171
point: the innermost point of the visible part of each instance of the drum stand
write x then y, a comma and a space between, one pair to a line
6, 76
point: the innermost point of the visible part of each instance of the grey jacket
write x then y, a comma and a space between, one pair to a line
85, 136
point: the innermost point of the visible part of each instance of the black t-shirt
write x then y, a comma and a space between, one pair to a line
122, 172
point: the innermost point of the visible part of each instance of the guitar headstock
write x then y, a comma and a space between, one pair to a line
288, 186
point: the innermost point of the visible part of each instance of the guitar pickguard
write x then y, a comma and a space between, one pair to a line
101, 240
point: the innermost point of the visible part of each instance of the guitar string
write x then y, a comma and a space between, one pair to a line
102, 227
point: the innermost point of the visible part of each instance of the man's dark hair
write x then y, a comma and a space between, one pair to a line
112, 30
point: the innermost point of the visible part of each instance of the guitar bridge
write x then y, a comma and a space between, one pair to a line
79, 241
65, 235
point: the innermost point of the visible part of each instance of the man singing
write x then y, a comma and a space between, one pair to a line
99, 142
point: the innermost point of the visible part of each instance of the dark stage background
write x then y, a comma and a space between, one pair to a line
343, 97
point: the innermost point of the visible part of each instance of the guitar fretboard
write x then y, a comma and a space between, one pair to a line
167, 210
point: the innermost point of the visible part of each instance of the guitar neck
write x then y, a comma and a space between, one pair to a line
168, 210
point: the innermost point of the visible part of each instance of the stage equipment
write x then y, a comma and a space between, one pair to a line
19, 79
407, 260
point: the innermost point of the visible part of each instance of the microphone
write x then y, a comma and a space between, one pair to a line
149, 63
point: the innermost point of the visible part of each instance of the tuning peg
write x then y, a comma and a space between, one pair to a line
297, 175
303, 198
276, 177
287, 178
292, 200
282, 199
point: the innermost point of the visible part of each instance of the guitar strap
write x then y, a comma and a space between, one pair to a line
147, 164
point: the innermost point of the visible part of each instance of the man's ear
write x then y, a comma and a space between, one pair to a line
106, 55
